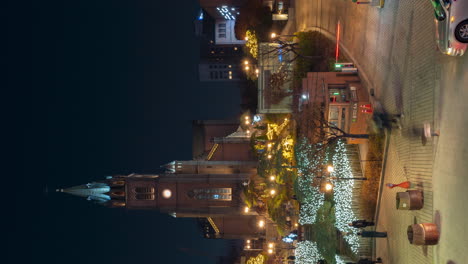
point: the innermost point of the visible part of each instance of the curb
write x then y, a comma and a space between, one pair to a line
379, 194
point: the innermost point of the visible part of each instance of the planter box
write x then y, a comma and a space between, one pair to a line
410, 200
423, 234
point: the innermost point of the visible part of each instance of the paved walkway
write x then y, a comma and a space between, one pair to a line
394, 48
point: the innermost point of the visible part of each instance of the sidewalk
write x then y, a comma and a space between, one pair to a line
392, 49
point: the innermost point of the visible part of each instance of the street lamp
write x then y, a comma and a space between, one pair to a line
330, 169
328, 186
273, 192
273, 35
261, 223
272, 178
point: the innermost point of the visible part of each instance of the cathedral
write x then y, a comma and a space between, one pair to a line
210, 187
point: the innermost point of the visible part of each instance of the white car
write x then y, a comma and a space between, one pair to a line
451, 25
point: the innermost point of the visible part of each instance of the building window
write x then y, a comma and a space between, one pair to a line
214, 194
337, 116
144, 196
144, 189
221, 35
144, 193
222, 25
222, 30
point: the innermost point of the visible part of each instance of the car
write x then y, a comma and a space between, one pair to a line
451, 18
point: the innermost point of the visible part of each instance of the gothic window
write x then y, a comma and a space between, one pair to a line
144, 196
144, 189
144, 193
214, 194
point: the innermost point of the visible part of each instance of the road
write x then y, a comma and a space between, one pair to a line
395, 50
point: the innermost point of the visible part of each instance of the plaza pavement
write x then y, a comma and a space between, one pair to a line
394, 48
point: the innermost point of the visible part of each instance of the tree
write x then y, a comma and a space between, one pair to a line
254, 16
319, 129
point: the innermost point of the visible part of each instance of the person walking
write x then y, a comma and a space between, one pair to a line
372, 234
366, 261
361, 224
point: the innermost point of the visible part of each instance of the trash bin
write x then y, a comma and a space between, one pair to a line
410, 200
423, 234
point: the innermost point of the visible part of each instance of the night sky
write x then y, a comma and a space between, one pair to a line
97, 88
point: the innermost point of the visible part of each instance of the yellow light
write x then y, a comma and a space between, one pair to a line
247, 68
270, 245
452, 18
269, 145
272, 192
246, 62
247, 117
272, 178
248, 246
269, 156
246, 38
328, 186
248, 241
273, 35
246, 210
330, 169
286, 119
270, 251
296, 224
256, 70
261, 223
248, 131
247, 122
166, 193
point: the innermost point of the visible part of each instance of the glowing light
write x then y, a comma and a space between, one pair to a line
330, 169
270, 251
247, 68
272, 178
248, 131
273, 192
271, 245
166, 193
269, 156
273, 35
247, 117
328, 186
256, 71
337, 41
261, 223
247, 122
296, 224
269, 145
246, 210
248, 241
246, 62
248, 246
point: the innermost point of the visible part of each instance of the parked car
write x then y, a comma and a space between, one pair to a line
451, 18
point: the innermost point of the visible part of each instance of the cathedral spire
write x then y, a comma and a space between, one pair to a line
94, 191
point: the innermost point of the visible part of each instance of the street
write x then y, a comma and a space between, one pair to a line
395, 50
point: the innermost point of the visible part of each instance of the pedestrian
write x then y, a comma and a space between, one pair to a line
372, 234
361, 224
366, 261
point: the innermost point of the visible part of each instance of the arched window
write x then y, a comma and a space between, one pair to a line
144, 193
